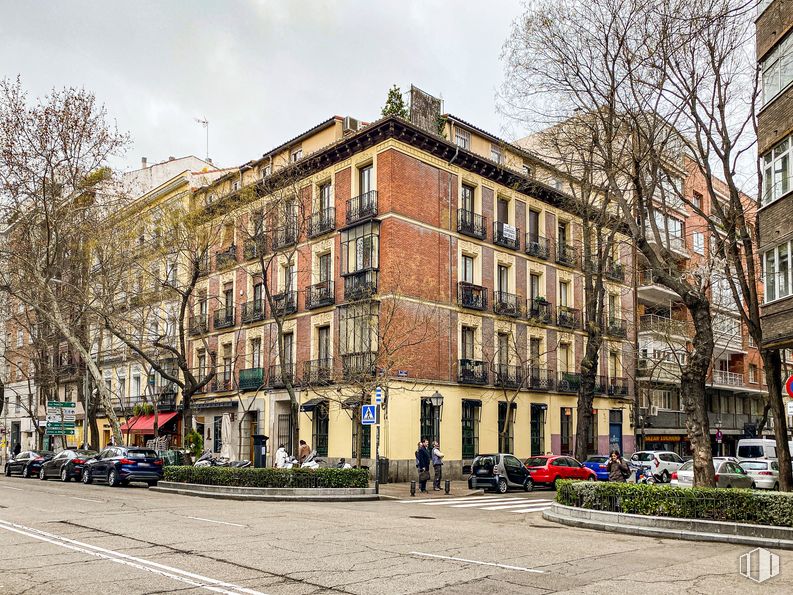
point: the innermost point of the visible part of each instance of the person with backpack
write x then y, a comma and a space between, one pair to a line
617, 468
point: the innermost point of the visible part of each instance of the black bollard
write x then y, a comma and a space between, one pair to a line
447, 487
412, 488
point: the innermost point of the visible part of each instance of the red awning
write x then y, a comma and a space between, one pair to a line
144, 424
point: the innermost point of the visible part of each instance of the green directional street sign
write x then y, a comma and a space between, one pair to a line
59, 431
66, 404
63, 424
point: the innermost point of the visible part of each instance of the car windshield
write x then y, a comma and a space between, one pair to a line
86, 453
596, 459
141, 454
486, 462
754, 465
687, 466
644, 456
751, 451
536, 462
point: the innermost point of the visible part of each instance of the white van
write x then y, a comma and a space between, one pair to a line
758, 448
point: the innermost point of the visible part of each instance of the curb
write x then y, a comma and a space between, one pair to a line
648, 526
266, 498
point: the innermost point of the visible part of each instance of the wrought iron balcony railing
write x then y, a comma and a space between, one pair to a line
508, 376
320, 294
226, 258
539, 378
540, 311
614, 270
538, 246
568, 382
284, 236
359, 365
567, 317
471, 371
284, 303
471, 224
318, 372
506, 235
362, 207
279, 375
254, 247
565, 255
322, 222
617, 327
253, 311
506, 304
360, 285
471, 296
251, 379
224, 318
197, 325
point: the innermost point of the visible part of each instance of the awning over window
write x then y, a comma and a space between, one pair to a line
311, 404
473, 402
144, 424
352, 403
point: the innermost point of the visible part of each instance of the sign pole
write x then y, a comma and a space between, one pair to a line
377, 461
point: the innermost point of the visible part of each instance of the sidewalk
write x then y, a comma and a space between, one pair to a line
401, 491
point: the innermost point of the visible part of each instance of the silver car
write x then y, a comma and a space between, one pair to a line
764, 472
729, 474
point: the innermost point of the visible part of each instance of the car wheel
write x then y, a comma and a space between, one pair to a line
590, 478
753, 486
42, 474
502, 486
528, 485
87, 477
776, 487
64, 475
665, 477
8, 471
152, 484
112, 478
25, 471
554, 483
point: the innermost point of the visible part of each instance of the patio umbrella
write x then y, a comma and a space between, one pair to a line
225, 434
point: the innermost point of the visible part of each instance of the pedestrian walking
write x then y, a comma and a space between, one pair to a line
17, 449
437, 465
280, 456
423, 465
303, 452
617, 468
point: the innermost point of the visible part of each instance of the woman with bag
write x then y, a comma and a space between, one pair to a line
423, 465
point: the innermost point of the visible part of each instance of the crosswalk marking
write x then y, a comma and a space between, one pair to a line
537, 508
471, 504
489, 503
512, 505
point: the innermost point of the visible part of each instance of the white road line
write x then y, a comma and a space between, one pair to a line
196, 580
507, 566
12, 488
513, 505
460, 501
198, 518
450, 499
503, 501
86, 499
533, 509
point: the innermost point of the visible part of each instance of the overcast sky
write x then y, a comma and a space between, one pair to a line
259, 71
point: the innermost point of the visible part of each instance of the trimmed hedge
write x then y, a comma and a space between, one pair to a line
711, 504
251, 477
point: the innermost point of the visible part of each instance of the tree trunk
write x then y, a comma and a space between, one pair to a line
295, 409
773, 373
692, 391
586, 395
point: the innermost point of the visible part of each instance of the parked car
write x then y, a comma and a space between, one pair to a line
499, 472
764, 472
662, 463
118, 465
729, 474
549, 468
758, 448
67, 464
27, 462
598, 464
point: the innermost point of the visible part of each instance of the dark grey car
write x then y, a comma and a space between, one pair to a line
499, 472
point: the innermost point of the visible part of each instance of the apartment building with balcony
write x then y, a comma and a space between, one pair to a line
456, 230
774, 47
736, 383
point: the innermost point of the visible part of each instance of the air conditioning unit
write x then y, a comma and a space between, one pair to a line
350, 125
653, 410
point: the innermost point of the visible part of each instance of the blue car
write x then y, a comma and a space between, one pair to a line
598, 464
118, 465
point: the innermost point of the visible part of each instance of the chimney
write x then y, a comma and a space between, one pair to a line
209, 161
143, 163
171, 158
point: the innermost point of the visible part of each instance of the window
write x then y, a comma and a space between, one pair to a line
323, 342
366, 440
470, 428
217, 433
561, 234
534, 287
296, 155
777, 171
467, 342
614, 309
527, 171
506, 434
136, 386
503, 279
502, 210
319, 429
696, 200
566, 430
256, 353
467, 198
699, 242
288, 345
495, 153
228, 299
752, 374
468, 269
503, 349
564, 287
360, 248
202, 365
462, 138
534, 224
325, 201
356, 322
227, 363
563, 357
365, 179
777, 272
614, 365
535, 344
430, 423
777, 69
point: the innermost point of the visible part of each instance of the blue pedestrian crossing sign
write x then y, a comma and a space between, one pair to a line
369, 415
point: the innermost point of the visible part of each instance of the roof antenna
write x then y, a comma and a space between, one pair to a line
205, 123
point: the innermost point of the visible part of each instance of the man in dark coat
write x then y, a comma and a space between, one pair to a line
423, 465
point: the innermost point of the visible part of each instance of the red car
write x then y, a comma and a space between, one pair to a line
547, 469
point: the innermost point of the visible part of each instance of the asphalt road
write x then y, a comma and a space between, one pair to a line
70, 538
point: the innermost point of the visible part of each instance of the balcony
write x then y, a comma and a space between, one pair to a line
224, 318
614, 271
507, 376
506, 235
568, 382
471, 296
197, 325
568, 317
662, 324
613, 387
362, 207
724, 378
659, 369
651, 292
318, 372
506, 304
253, 311
320, 294
226, 258
203, 265
538, 246
540, 311
617, 327
222, 384
284, 303
471, 371
284, 236
360, 285
539, 378
254, 248
251, 379
566, 256
359, 365
280, 375
322, 222
471, 224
